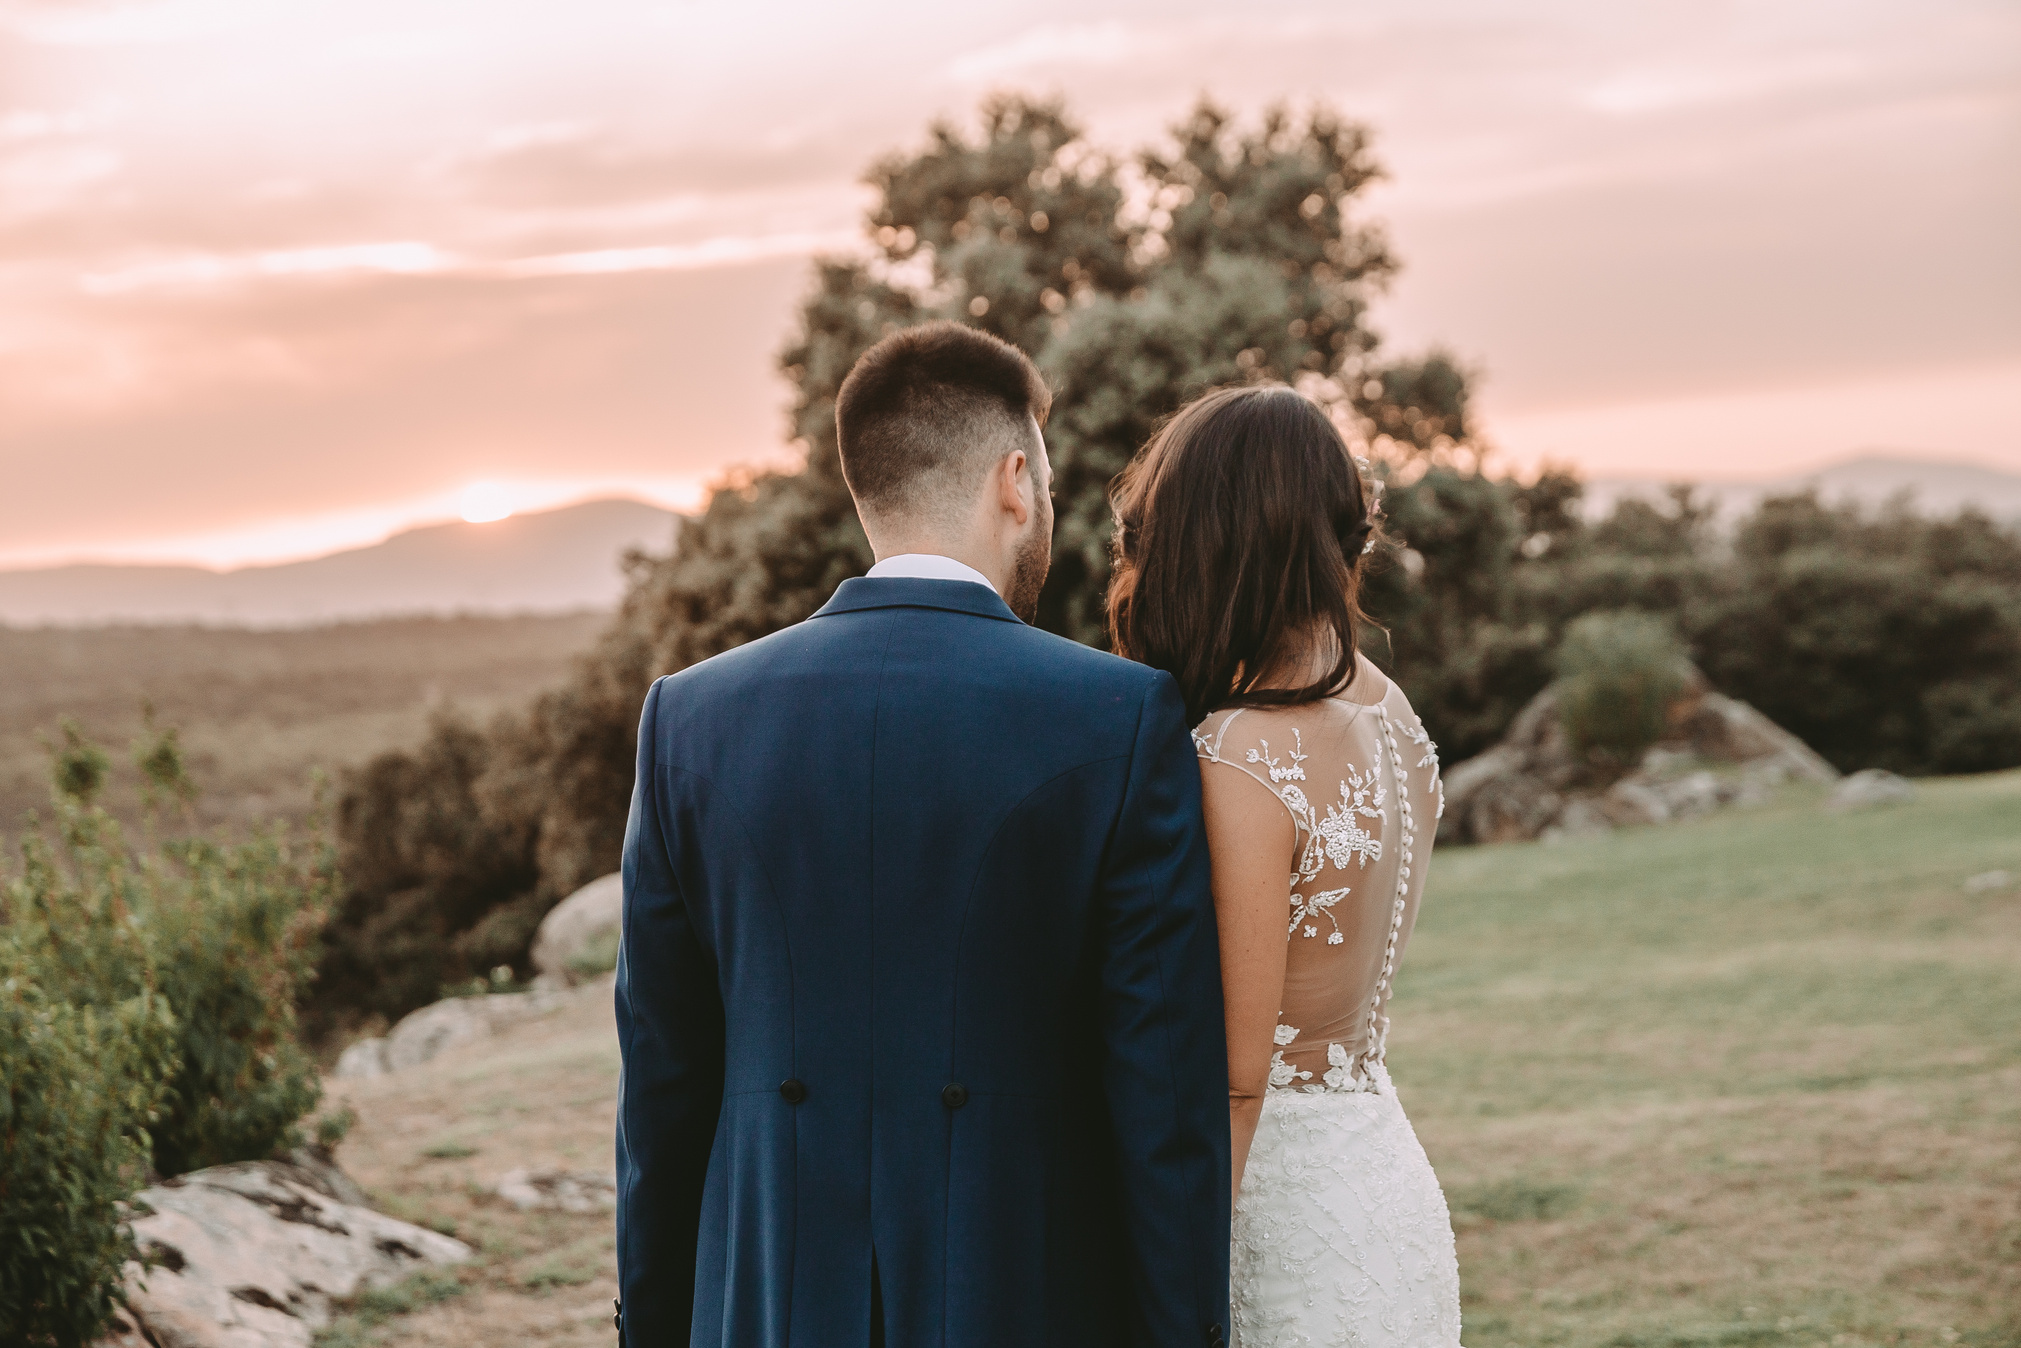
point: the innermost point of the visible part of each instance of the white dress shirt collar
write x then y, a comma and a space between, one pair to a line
928, 566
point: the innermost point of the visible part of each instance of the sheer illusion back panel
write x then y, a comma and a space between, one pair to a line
1360, 780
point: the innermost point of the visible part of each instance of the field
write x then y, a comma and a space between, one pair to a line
1753, 1080
258, 710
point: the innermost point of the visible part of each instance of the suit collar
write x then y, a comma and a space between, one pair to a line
952, 596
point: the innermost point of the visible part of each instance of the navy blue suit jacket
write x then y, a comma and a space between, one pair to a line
919, 981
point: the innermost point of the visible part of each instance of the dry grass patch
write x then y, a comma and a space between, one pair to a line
430, 1144
260, 709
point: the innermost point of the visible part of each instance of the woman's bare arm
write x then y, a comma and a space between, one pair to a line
1250, 838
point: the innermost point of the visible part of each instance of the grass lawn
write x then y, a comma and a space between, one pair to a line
1752, 1080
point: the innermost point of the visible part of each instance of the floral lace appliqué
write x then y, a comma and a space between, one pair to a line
1371, 821
1279, 774
1317, 906
1422, 738
1345, 840
1282, 1073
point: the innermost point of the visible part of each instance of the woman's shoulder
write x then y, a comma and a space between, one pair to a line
1258, 735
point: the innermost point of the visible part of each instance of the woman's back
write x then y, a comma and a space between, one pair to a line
1360, 780
1241, 531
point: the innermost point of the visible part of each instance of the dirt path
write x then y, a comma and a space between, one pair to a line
432, 1141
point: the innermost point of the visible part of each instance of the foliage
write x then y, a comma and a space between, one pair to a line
146, 1016
426, 861
1456, 634
1619, 672
1882, 639
234, 935
87, 1045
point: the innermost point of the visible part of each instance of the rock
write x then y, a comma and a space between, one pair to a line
423, 1034
1988, 882
1581, 818
1694, 793
1632, 802
252, 1255
318, 1168
1727, 730
559, 1190
1534, 785
1870, 788
578, 939
366, 1058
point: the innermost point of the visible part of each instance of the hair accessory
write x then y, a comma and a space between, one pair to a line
1372, 488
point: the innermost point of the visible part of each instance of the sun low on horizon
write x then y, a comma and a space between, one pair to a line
484, 503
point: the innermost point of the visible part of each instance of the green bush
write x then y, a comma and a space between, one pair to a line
146, 1016
86, 1048
1618, 675
1881, 638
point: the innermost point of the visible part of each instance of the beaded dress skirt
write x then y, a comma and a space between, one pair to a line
1341, 1232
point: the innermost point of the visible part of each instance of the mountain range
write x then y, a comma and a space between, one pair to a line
552, 561
568, 559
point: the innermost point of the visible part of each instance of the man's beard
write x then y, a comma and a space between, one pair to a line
1034, 559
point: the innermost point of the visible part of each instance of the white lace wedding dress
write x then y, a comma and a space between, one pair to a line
1341, 1232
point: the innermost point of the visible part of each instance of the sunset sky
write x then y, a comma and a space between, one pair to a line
278, 276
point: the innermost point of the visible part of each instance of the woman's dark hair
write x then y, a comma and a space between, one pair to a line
1239, 534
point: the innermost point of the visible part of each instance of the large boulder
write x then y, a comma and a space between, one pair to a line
423, 1034
253, 1256
1870, 788
1716, 751
578, 939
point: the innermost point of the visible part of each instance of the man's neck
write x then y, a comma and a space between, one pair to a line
992, 571
930, 566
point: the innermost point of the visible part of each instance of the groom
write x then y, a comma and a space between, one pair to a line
919, 997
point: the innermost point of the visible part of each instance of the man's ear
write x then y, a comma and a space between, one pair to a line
1010, 474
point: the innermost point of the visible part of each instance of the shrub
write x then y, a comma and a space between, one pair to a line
146, 1014
1618, 674
1882, 639
234, 934
431, 861
81, 1078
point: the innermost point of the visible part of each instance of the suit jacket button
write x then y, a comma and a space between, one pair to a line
1214, 1335
617, 1315
792, 1091
954, 1095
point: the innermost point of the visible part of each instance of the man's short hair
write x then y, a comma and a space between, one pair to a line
926, 411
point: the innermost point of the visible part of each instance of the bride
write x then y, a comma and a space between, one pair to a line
1241, 530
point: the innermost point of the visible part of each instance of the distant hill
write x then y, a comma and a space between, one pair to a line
554, 561
1932, 487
